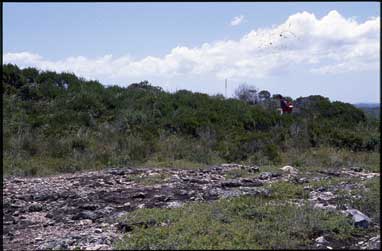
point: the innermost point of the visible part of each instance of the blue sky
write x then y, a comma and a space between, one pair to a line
163, 43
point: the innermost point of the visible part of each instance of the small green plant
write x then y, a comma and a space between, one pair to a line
285, 190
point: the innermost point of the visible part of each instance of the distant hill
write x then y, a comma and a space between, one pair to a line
372, 110
369, 105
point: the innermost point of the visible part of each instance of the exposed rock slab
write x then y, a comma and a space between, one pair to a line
79, 210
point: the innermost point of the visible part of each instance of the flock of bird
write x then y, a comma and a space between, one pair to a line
285, 34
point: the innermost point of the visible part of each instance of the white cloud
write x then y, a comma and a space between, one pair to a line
237, 20
22, 56
330, 45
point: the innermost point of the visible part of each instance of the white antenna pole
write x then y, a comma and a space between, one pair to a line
226, 88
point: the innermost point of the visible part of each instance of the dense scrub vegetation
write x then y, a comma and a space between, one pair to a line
58, 123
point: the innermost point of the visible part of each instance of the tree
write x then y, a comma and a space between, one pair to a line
247, 93
264, 95
30, 74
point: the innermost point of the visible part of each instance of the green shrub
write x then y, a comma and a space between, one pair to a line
272, 153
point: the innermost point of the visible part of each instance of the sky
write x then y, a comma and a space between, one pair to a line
293, 48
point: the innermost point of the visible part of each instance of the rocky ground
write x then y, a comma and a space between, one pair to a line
80, 210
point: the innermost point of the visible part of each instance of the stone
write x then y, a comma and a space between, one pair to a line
174, 204
265, 176
38, 239
321, 189
230, 193
254, 169
124, 227
227, 165
325, 196
231, 183
97, 247
141, 205
289, 169
356, 169
85, 215
55, 245
268, 175
254, 191
139, 195
321, 240
330, 173
116, 172
16, 205
98, 230
89, 207
241, 182
35, 207
374, 243
359, 219
86, 222
302, 180
308, 188
250, 182
42, 197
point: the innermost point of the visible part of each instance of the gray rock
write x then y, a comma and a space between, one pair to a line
174, 204
98, 230
268, 175
356, 169
374, 243
359, 219
326, 196
42, 197
139, 195
254, 169
124, 227
250, 182
54, 245
255, 191
116, 172
321, 240
35, 207
321, 189
308, 188
85, 215
231, 183
17, 205
241, 182
289, 169
214, 192
89, 207
230, 193
302, 180
265, 176
330, 173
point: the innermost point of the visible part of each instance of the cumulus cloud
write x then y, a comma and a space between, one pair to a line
330, 45
237, 20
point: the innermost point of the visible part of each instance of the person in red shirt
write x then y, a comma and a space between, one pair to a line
285, 105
